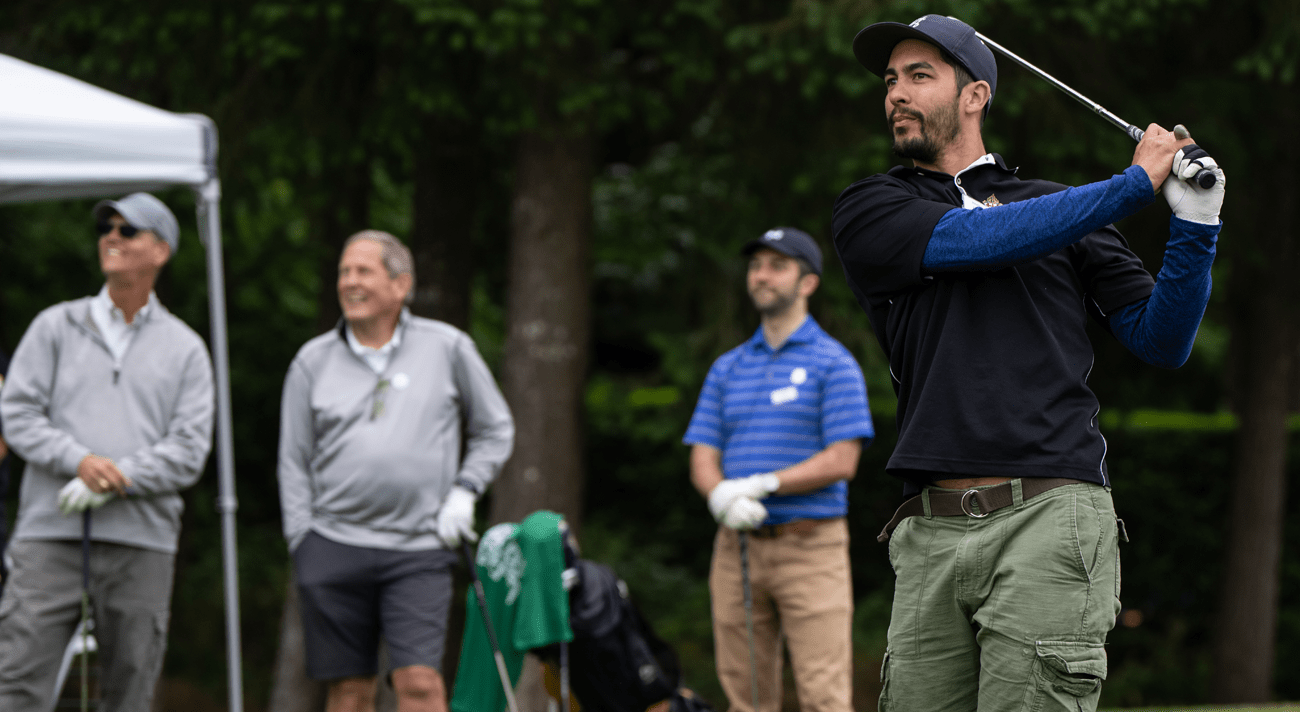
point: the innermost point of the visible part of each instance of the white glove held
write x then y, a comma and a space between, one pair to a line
456, 519
744, 513
77, 497
1188, 200
727, 491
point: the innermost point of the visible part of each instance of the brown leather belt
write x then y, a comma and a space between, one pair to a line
800, 527
973, 503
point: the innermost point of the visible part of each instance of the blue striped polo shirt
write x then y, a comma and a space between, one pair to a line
766, 410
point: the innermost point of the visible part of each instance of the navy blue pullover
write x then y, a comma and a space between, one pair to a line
982, 311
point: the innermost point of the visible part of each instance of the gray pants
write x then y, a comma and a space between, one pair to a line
130, 594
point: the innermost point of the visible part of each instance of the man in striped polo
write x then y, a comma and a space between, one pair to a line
775, 437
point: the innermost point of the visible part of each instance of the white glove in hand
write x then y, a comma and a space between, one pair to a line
1188, 200
77, 497
727, 491
744, 513
456, 518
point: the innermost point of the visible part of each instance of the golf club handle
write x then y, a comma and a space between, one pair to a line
1204, 177
479, 594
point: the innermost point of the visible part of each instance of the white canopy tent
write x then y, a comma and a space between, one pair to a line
63, 138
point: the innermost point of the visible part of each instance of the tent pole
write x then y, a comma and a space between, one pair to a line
208, 200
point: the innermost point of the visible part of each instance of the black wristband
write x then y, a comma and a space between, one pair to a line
462, 482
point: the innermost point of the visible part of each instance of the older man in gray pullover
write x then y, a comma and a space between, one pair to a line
109, 400
373, 486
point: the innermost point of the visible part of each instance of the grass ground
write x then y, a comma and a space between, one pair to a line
1275, 707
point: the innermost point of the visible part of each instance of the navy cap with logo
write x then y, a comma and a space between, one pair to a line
790, 242
875, 43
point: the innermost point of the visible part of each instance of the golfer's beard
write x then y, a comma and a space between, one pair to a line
780, 302
937, 131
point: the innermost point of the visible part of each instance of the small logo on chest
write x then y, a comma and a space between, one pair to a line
991, 201
784, 395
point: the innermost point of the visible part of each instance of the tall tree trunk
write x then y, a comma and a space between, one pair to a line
547, 324
446, 203
1265, 337
1247, 622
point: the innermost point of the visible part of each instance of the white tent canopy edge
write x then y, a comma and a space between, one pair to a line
61, 138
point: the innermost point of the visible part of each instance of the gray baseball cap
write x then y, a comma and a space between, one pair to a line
790, 242
143, 212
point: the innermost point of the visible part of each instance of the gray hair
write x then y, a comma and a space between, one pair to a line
395, 256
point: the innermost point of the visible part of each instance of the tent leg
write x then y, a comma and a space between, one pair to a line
208, 199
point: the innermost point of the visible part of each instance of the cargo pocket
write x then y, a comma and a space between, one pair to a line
1068, 674
157, 650
885, 703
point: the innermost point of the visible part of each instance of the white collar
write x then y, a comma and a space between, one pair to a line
382, 353
106, 306
966, 201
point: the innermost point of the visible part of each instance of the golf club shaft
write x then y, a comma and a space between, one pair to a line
1203, 178
749, 615
506, 687
85, 609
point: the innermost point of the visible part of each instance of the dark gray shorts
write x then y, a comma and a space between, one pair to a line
351, 594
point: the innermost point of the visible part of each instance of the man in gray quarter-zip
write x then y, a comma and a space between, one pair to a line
109, 400
374, 489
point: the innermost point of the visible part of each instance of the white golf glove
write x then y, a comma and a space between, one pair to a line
1188, 200
744, 513
456, 518
754, 487
77, 497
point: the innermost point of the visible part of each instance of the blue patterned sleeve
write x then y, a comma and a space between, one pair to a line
1023, 231
845, 413
1161, 329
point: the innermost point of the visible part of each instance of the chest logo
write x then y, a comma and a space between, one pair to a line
799, 375
991, 201
784, 395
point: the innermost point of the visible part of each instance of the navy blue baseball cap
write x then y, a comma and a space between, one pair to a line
789, 242
875, 43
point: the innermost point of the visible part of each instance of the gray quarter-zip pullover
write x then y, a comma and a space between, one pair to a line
366, 459
151, 413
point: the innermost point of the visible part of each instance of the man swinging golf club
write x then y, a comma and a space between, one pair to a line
776, 434
978, 286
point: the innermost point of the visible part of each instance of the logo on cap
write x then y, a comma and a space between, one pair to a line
919, 20
773, 235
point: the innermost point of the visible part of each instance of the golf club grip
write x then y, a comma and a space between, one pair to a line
1204, 177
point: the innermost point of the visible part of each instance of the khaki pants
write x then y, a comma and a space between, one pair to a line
802, 590
1004, 613
130, 593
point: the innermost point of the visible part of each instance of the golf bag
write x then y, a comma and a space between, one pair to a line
618, 663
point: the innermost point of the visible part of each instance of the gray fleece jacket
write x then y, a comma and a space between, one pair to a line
65, 398
366, 459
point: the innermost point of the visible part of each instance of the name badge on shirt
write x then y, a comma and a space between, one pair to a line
784, 395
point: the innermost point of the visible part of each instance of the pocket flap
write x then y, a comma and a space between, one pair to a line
1069, 658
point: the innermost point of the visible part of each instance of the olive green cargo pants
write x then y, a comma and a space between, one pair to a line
1005, 612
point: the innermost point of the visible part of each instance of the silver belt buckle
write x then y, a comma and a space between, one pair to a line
965, 505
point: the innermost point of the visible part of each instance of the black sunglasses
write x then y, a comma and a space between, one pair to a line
123, 230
